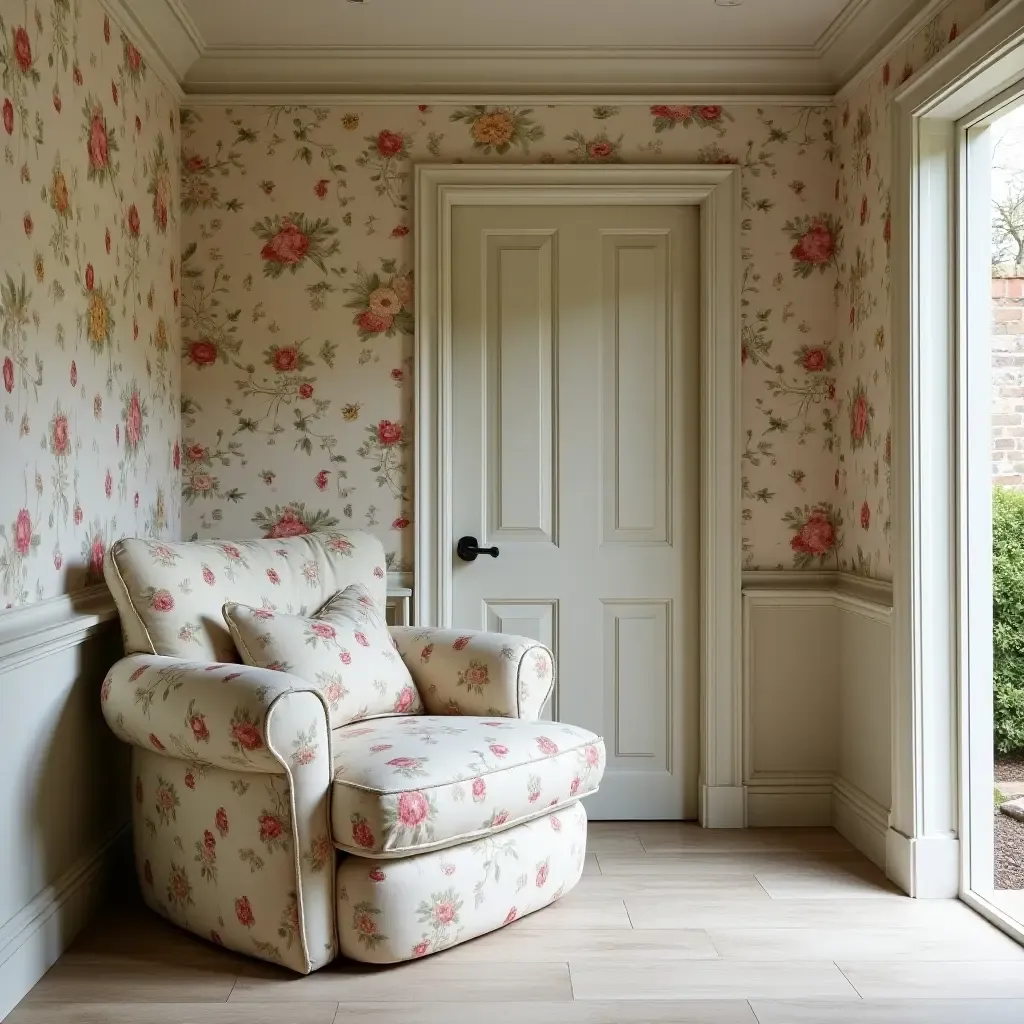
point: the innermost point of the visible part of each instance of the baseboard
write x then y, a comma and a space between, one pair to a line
36, 936
783, 801
861, 819
927, 868
723, 806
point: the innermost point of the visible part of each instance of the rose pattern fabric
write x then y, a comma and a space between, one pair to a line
170, 595
345, 649
230, 766
89, 299
404, 785
475, 673
396, 910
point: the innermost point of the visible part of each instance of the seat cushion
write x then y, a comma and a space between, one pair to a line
407, 785
345, 649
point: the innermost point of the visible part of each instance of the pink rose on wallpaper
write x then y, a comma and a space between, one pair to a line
176, 456
305, 391
133, 56
76, 74
374, 320
195, 453
8, 117
321, 480
96, 552
90, 277
133, 421
865, 516
78, 515
99, 154
108, 484
106, 29
221, 819
677, 113
286, 358
816, 246
413, 809
400, 523
859, 416
22, 50
23, 532
388, 433
60, 438
195, 163
400, 231
8, 374
73, 376
815, 360
288, 525
863, 209
711, 113
320, 188
28, 225
601, 149
816, 537
288, 246
389, 143
113, 92
202, 352
134, 222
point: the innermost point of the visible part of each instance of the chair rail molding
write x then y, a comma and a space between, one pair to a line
715, 189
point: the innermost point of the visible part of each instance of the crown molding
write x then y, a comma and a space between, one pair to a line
537, 71
349, 99
174, 46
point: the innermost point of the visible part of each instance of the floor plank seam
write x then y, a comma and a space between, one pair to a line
860, 995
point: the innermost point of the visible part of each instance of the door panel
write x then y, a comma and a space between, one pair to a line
575, 419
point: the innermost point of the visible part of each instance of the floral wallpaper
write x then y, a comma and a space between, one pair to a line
297, 303
863, 481
89, 297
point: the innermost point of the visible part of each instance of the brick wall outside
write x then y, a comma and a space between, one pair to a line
1008, 382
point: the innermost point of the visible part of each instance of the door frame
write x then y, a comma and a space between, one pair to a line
935, 725
715, 189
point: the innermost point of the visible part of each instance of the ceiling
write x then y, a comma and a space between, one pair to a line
522, 46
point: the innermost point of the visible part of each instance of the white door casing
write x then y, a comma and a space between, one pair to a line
574, 451
715, 191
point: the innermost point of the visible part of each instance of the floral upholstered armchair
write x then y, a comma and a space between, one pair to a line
392, 806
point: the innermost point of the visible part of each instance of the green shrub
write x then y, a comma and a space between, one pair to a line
1008, 618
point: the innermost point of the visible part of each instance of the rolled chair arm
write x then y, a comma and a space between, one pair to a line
477, 673
216, 713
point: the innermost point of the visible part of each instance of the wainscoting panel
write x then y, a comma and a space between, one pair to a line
63, 780
817, 677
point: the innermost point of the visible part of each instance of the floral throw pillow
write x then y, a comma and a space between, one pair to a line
345, 649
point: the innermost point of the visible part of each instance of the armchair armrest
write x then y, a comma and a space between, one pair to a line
477, 673
231, 716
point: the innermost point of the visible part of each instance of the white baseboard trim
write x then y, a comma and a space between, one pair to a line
789, 800
926, 868
36, 936
723, 806
861, 819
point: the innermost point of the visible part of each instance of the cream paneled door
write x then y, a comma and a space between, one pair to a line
576, 449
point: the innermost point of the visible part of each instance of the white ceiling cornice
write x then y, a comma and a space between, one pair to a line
171, 40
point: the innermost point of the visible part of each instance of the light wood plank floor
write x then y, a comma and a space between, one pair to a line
669, 925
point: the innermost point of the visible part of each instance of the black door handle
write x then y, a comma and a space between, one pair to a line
467, 549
